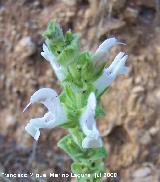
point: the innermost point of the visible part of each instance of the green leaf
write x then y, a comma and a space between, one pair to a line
78, 136
54, 38
54, 32
69, 93
75, 74
96, 154
99, 110
87, 68
68, 97
72, 118
69, 36
69, 124
70, 147
79, 168
70, 52
84, 57
98, 70
80, 100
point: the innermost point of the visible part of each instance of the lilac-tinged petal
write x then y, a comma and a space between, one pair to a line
120, 67
89, 142
59, 73
34, 125
87, 120
43, 94
104, 48
88, 124
49, 56
124, 70
109, 74
92, 102
48, 121
115, 61
33, 131
49, 98
46, 96
103, 81
55, 117
107, 44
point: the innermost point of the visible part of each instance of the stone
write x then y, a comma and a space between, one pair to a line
137, 89
70, 2
153, 131
2, 10
36, 4
118, 4
145, 138
142, 172
131, 14
25, 47
149, 3
110, 25
10, 122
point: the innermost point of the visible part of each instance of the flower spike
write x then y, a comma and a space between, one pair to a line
83, 77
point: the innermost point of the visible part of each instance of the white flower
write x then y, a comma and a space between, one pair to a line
109, 74
47, 54
88, 125
55, 116
104, 48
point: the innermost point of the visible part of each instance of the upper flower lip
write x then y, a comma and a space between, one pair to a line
55, 116
105, 47
41, 96
107, 44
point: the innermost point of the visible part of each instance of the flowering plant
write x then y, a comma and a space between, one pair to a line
83, 77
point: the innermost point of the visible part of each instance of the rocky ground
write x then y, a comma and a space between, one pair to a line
131, 126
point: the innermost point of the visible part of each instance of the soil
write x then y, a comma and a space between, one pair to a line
131, 126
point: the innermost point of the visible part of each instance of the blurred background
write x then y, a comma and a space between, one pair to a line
131, 126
